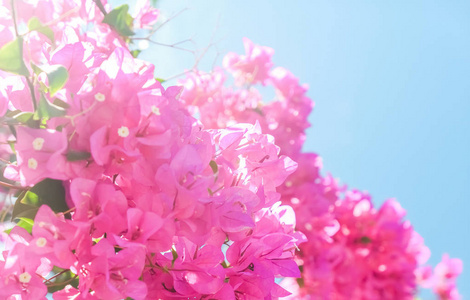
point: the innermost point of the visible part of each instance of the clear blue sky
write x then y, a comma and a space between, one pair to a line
391, 83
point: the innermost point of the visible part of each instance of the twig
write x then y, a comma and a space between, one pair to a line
5, 213
53, 22
174, 46
166, 21
62, 16
56, 275
62, 283
70, 210
11, 186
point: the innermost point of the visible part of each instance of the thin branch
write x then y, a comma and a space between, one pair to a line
217, 55
62, 283
179, 75
56, 275
83, 112
11, 186
62, 16
53, 22
209, 46
166, 22
203, 53
4, 215
171, 46
4, 160
5, 212
190, 40
162, 44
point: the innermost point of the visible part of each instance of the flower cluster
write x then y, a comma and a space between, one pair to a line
354, 251
443, 281
121, 192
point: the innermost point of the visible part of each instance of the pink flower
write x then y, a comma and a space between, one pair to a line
145, 15
100, 205
114, 275
58, 239
40, 154
21, 270
445, 274
77, 59
251, 68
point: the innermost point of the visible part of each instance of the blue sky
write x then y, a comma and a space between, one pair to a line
391, 83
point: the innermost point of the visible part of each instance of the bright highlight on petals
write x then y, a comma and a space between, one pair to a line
190, 278
32, 163
38, 143
100, 97
41, 242
123, 131
25, 277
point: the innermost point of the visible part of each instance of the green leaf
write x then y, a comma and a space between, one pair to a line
135, 53
77, 155
31, 198
26, 223
52, 193
11, 58
12, 147
24, 117
37, 70
57, 76
61, 103
48, 192
120, 20
12, 113
161, 80
47, 110
35, 25
21, 210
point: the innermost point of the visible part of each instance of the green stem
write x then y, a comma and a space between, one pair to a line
13, 13
31, 89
